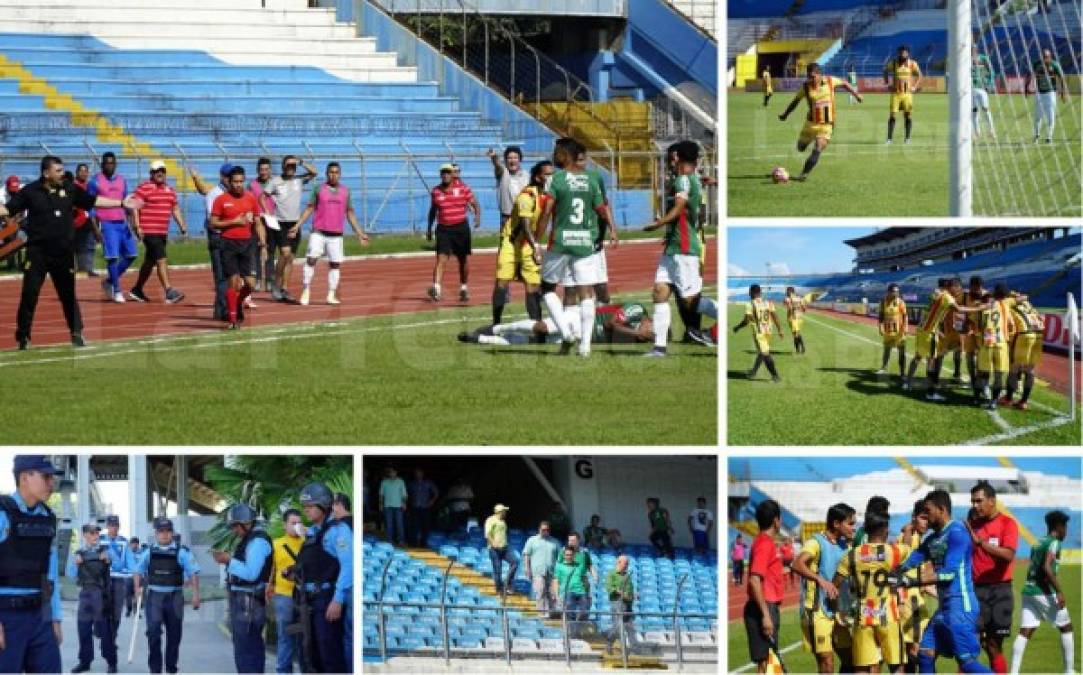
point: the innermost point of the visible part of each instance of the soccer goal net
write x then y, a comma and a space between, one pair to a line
1017, 84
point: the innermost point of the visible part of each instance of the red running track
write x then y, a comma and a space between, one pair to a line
738, 595
379, 285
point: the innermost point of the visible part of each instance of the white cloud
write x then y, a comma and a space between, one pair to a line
735, 270
778, 269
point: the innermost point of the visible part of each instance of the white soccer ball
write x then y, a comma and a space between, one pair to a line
780, 175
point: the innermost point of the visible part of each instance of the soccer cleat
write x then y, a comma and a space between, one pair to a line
888, 142
118, 298
173, 296
1022, 405
964, 379
906, 386
276, 295
991, 406
906, 142
248, 302
81, 668
24, 344
660, 352
233, 325
776, 379
466, 337
464, 295
1005, 401
305, 297
566, 347
933, 396
881, 372
107, 289
700, 337
77, 340
284, 296
1049, 140
332, 299
138, 295
434, 294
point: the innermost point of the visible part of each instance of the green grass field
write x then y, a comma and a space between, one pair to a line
401, 379
832, 396
858, 175
1043, 654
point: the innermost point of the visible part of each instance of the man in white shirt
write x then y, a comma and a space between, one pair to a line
700, 522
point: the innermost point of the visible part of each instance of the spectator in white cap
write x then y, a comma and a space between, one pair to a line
154, 202
496, 534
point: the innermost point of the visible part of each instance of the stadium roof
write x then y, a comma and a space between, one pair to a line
884, 235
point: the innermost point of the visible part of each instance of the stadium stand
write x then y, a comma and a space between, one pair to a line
1027, 489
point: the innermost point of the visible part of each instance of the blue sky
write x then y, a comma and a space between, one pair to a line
791, 250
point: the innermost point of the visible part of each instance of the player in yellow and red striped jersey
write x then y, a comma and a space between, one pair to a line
760, 314
819, 91
904, 76
971, 298
930, 331
892, 325
1026, 347
995, 331
795, 312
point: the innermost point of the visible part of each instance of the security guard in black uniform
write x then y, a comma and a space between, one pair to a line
30, 612
91, 572
248, 570
50, 244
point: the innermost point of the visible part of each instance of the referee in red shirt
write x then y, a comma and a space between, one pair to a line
234, 214
450, 200
996, 538
761, 612
151, 223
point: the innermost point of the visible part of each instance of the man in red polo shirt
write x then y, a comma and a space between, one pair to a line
450, 200
761, 613
234, 214
151, 223
996, 538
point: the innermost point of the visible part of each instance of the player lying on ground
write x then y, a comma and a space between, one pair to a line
819, 91
613, 324
1043, 596
760, 314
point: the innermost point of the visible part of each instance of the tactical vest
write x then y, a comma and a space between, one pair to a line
24, 554
93, 572
164, 568
241, 554
317, 565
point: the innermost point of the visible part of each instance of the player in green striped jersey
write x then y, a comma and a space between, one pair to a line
1043, 596
1048, 77
983, 81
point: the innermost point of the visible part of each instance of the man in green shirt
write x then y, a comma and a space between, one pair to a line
1048, 79
679, 269
496, 535
983, 81
569, 588
393, 504
1043, 596
575, 203
622, 593
661, 528
539, 558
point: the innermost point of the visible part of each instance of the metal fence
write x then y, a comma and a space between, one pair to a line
570, 620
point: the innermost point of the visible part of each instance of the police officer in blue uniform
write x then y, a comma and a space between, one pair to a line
90, 568
30, 612
121, 566
326, 562
248, 570
166, 568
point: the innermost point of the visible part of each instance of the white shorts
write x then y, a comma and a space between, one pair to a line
1045, 107
569, 270
981, 99
681, 272
1039, 608
603, 270
320, 244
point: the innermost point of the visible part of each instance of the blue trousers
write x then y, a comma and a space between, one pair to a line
93, 618
329, 637
247, 616
214, 246
31, 643
394, 528
347, 630
164, 610
497, 556
287, 644
116, 612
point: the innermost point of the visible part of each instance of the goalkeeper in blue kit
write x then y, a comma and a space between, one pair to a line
952, 631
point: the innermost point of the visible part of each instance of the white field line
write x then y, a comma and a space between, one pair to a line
1008, 432
752, 664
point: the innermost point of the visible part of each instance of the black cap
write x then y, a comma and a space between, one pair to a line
163, 523
112, 520
91, 527
34, 463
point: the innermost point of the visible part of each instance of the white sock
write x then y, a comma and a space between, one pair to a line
307, 272
586, 321
521, 326
707, 307
436, 287
332, 279
462, 287
556, 310
989, 116
661, 324
1018, 647
977, 123
1067, 646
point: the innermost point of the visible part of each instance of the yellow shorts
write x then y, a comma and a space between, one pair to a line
925, 344
763, 343
906, 618
951, 342
895, 340
821, 635
870, 642
516, 263
1027, 349
902, 103
970, 343
795, 325
769, 90
993, 359
811, 132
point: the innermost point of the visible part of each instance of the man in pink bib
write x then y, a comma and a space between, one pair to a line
331, 209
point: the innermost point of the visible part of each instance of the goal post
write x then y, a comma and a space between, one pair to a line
960, 182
